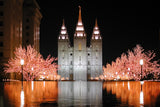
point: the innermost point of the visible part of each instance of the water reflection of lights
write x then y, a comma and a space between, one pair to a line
32, 85
128, 86
141, 94
132, 93
141, 98
22, 98
13, 93
142, 82
44, 83
128, 92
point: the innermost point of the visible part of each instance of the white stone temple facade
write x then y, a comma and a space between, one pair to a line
79, 62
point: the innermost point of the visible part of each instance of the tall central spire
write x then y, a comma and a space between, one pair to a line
79, 28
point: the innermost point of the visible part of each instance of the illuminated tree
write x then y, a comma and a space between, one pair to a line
34, 64
149, 66
49, 66
128, 67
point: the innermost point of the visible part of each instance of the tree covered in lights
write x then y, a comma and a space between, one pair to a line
34, 64
128, 66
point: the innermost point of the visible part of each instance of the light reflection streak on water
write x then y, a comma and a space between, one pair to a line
141, 98
142, 82
44, 83
32, 85
141, 94
22, 98
128, 86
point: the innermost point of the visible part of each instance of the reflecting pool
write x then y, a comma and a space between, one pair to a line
79, 93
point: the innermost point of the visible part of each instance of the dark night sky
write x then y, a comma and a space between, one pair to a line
122, 24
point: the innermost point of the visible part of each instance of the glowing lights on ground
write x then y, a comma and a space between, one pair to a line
118, 77
42, 78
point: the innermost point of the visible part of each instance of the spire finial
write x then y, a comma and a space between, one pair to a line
79, 18
96, 24
63, 23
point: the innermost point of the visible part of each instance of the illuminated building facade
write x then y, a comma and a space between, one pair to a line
17, 18
31, 24
80, 62
10, 27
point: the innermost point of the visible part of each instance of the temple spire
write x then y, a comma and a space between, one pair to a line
80, 28
96, 33
63, 32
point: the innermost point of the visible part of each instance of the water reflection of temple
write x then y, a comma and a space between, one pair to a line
80, 93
